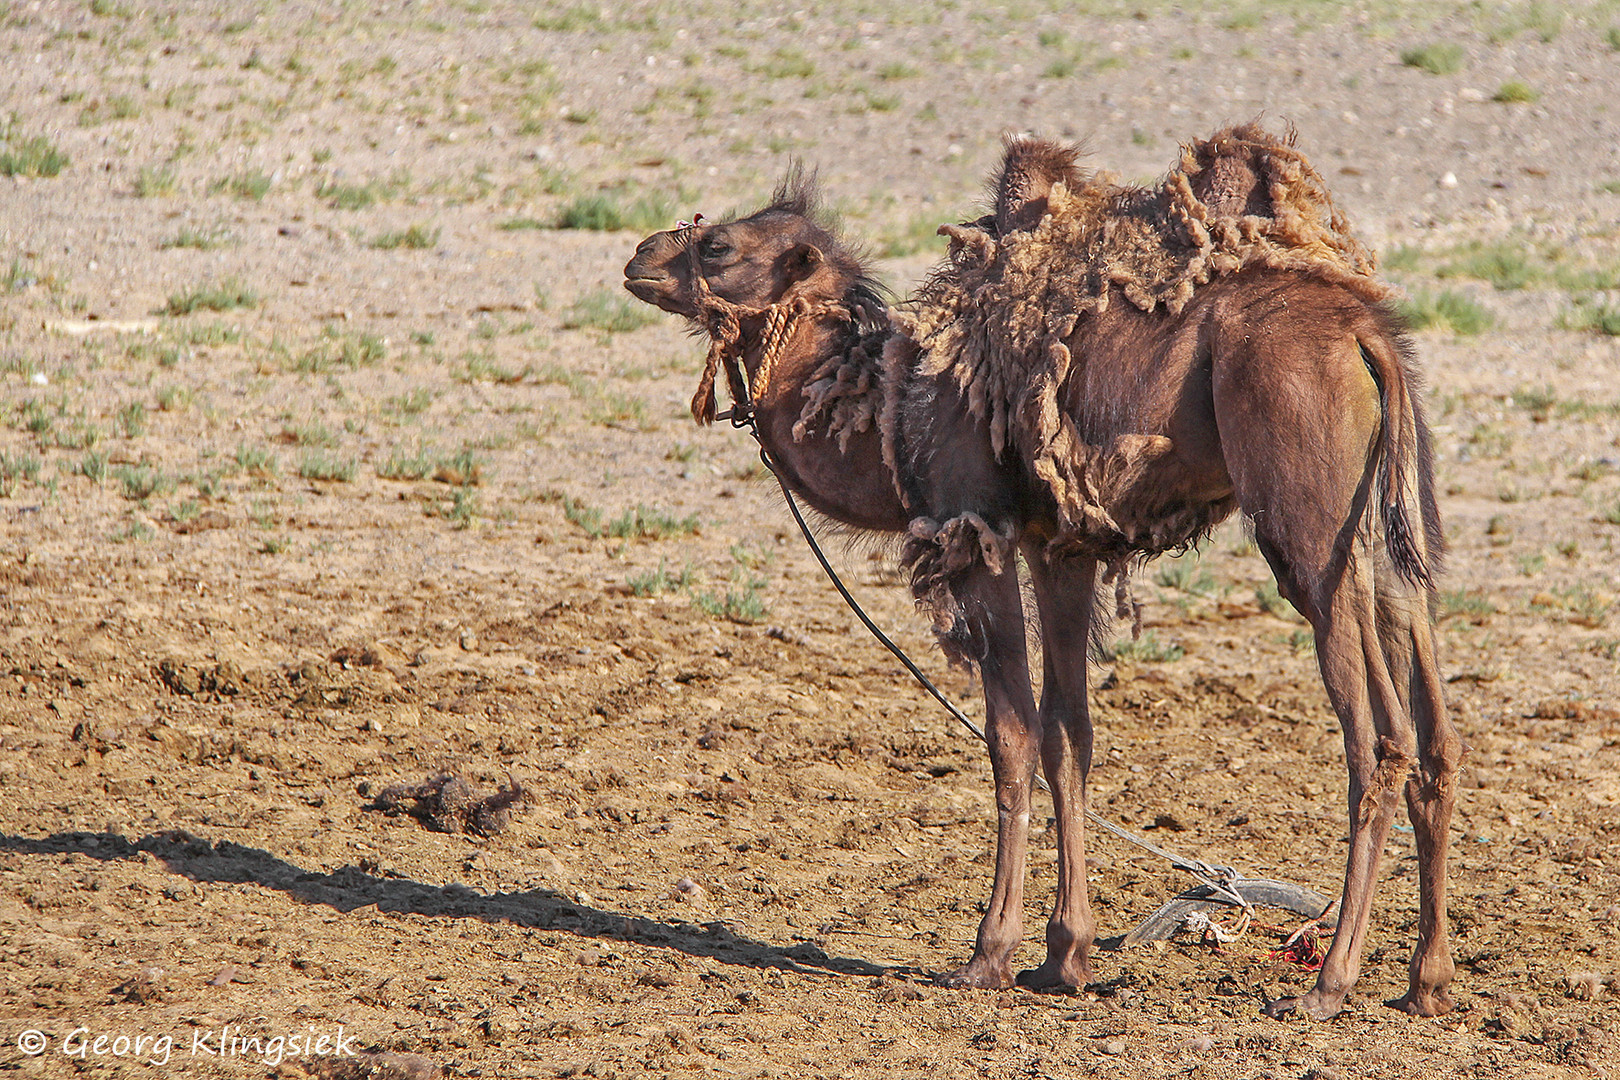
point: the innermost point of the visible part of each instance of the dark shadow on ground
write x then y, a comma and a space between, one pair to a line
349, 888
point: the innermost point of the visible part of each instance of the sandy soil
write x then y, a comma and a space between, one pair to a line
356, 528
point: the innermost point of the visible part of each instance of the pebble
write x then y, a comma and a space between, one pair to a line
1449, 180
1114, 1047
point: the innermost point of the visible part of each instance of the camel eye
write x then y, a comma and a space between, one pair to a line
714, 248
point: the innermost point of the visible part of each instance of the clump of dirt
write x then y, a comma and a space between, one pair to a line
450, 804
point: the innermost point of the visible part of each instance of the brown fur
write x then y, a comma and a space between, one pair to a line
1098, 374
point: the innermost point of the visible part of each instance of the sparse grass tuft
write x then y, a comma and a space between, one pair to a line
155, 182
28, 155
227, 295
1516, 92
463, 509
252, 186
417, 237
742, 604
1183, 574
1437, 58
463, 468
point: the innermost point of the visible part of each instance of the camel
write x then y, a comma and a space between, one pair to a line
1097, 374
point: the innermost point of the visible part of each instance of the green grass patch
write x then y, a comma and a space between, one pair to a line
608, 213
411, 403
341, 350
1465, 604
1184, 575
1447, 310
464, 468
309, 433
637, 523
1592, 316
412, 465
463, 509
416, 237
1437, 58
1273, 603
610, 312
919, 234
483, 367
255, 461
14, 469
1145, 649
252, 186
661, 580
787, 62
29, 155
131, 420
198, 238
1505, 264
323, 465
141, 482
741, 603
342, 196
228, 295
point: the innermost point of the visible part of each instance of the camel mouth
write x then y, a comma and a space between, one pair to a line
644, 288
657, 292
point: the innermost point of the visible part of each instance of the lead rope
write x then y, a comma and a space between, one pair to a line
1220, 880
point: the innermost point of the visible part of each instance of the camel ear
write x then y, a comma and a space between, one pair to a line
803, 261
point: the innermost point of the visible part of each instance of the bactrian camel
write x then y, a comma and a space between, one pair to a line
1099, 373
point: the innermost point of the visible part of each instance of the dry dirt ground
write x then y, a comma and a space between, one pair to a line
331, 463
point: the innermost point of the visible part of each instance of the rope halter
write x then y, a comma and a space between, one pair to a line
723, 320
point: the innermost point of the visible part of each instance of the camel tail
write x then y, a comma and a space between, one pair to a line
1404, 468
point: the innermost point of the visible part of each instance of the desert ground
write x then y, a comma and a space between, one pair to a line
334, 458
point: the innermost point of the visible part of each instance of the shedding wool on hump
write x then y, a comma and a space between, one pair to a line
997, 316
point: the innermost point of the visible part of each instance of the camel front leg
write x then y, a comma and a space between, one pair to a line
1064, 594
996, 626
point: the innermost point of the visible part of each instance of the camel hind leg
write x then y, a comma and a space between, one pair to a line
1300, 420
1378, 748
1431, 790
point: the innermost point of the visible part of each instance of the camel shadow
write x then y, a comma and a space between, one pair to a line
349, 888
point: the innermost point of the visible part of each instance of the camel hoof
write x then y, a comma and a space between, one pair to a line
1316, 1005
1424, 1002
977, 975
1050, 976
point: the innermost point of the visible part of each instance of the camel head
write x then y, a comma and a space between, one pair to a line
778, 252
